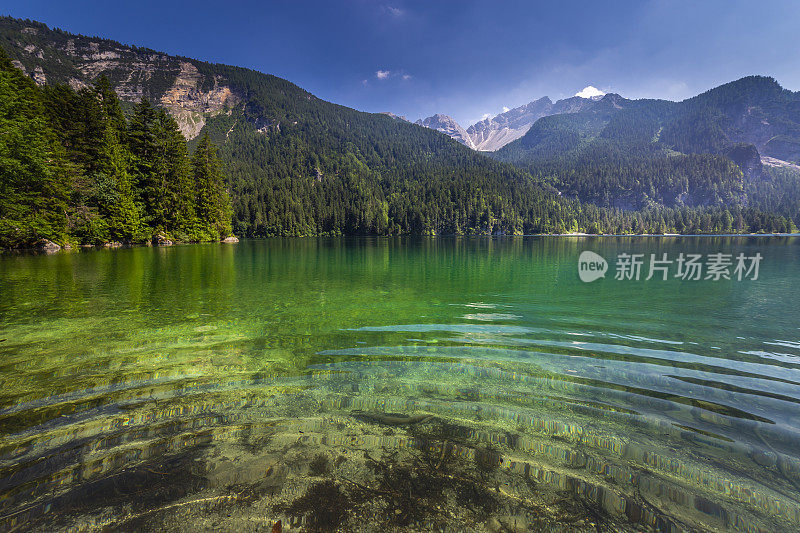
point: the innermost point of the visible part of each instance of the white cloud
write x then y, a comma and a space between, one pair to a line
394, 11
506, 109
485, 116
386, 74
590, 92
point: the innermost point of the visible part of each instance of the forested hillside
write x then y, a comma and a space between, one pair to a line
74, 169
293, 164
704, 151
297, 165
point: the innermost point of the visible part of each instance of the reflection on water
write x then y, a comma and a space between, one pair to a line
415, 384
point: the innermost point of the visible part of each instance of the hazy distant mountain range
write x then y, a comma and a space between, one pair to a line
753, 116
631, 154
491, 134
298, 165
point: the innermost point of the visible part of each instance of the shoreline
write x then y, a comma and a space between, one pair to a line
52, 248
48, 247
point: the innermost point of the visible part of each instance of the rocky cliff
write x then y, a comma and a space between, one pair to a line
51, 56
491, 134
449, 126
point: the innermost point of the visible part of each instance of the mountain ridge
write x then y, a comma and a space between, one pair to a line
297, 165
751, 110
716, 148
448, 125
491, 134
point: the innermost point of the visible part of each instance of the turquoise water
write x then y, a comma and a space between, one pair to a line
359, 384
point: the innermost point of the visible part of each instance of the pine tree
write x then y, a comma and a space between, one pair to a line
91, 126
162, 171
212, 201
172, 162
121, 209
143, 145
34, 173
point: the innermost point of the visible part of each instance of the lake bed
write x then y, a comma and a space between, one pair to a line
406, 383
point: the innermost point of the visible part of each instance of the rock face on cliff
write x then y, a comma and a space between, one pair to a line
50, 56
190, 104
491, 134
449, 126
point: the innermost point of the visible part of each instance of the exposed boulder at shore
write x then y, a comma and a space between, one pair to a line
48, 247
160, 239
231, 239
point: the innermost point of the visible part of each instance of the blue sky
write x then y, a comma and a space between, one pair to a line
464, 58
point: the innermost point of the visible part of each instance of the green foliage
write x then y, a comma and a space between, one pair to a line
92, 130
161, 167
296, 165
778, 192
73, 168
34, 172
211, 200
646, 154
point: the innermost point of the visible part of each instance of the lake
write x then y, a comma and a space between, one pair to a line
420, 383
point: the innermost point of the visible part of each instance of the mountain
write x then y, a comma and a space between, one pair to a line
491, 134
706, 150
191, 90
293, 164
753, 110
578, 121
448, 126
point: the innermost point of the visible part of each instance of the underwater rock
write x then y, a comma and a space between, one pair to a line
324, 506
511, 524
577, 459
765, 459
391, 419
319, 466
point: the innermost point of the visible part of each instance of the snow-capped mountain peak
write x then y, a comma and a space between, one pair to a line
590, 92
